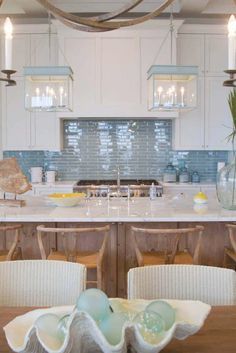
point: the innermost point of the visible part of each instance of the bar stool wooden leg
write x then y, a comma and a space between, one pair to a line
15, 252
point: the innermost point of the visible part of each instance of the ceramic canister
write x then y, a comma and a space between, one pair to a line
36, 174
50, 176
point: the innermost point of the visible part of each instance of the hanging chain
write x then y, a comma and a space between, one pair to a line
172, 28
49, 37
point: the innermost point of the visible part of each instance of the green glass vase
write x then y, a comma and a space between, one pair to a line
226, 186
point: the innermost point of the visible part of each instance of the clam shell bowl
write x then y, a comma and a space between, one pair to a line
84, 336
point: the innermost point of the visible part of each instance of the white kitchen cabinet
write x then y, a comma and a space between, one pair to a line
207, 127
110, 70
21, 54
120, 76
45, 131
216, 54
44, 51
81, 56
189, 128
15, 119
190, 51
23, 130
218, 120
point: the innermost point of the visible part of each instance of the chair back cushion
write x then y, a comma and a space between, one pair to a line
40, 282
212, 285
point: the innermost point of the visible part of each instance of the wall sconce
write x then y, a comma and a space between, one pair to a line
231, 53
8, 29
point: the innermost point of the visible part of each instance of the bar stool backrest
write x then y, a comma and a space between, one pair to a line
173, 233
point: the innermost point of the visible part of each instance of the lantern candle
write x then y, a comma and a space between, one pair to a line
182, 96
8, 43
61, 91
159, 90
232, 43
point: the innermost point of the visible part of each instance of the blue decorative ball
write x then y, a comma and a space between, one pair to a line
94, 302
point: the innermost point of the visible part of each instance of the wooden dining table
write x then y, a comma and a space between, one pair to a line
218, 335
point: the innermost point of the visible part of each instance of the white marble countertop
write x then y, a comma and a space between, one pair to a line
62, 183
71, 183
189, 185
164, 209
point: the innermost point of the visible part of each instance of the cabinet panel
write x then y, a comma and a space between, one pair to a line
216, 57
16, 121
45, 131
190, 50
81, 55
110, 71
218, 117
189, 127
149, 52
20, 52
23, 130
43, 54
120, 75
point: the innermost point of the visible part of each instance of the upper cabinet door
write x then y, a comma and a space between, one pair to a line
81, 54
110, 71
218, 118
188, 129
16, 121
190, 51
216, 58
20, 53
120, 75
44, 51
45, 131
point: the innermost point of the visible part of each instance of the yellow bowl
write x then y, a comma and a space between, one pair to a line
66, 200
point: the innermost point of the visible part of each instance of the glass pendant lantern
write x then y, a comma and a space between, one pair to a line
48, 88
172, 88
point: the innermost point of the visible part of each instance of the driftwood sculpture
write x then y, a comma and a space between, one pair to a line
12, 180
103, 22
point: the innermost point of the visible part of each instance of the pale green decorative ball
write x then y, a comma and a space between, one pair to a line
165, 310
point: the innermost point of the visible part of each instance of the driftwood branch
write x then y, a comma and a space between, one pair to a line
101, 23
11, 177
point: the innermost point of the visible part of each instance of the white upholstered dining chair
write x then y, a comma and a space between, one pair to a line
212, 285
40, 282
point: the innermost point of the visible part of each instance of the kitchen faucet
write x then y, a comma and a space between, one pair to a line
118, 181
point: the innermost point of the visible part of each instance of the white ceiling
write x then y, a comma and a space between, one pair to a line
184, 8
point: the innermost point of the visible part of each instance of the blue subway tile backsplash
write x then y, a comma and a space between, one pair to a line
141, 148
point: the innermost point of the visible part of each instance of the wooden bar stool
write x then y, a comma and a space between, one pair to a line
14, 253
171, 254
230, 253
91, 259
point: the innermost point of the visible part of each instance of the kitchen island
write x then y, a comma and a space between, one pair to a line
121, 213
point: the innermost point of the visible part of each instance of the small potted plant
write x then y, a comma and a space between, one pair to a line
226, 177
